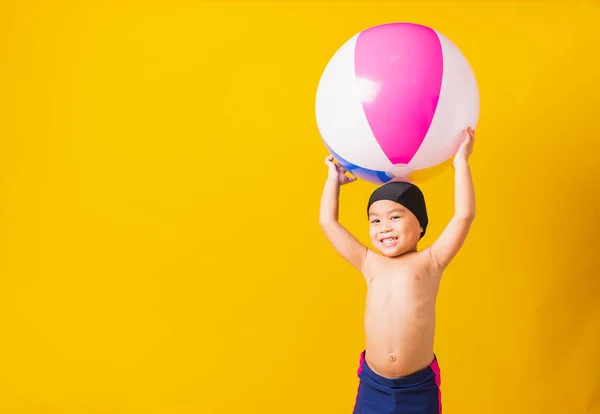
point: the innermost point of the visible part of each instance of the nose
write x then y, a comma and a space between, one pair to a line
385, 227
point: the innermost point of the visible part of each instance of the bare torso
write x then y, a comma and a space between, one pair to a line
400, 312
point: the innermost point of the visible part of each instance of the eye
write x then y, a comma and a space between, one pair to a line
374, 221
395, 217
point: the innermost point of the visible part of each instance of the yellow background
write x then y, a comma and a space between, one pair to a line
160, 173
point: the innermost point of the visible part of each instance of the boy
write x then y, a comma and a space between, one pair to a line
398, 370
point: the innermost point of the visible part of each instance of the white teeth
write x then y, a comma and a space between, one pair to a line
389, 240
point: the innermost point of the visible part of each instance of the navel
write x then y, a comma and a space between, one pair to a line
392, 357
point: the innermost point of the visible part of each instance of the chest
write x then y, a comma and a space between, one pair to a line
413, 266
410, 274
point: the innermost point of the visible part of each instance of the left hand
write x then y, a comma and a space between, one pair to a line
466, 147
338, 173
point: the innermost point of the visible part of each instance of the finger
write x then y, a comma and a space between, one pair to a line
339, 166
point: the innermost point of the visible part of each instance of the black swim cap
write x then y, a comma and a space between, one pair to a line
407, 194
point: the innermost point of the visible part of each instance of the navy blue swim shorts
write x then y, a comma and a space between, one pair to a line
417, 393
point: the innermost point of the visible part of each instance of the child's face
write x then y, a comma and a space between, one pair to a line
394, 229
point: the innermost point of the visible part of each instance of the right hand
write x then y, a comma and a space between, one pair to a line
466, 146
337, 172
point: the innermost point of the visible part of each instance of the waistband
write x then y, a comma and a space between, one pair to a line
422, 376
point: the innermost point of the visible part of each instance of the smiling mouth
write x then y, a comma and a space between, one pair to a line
389, 241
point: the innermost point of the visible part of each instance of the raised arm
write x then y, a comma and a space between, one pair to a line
353, 251
445, 248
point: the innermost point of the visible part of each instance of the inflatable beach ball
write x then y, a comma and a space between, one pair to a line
394, 99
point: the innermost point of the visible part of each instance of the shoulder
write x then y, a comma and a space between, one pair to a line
429, 262
427, 257
427, 254
371, 264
